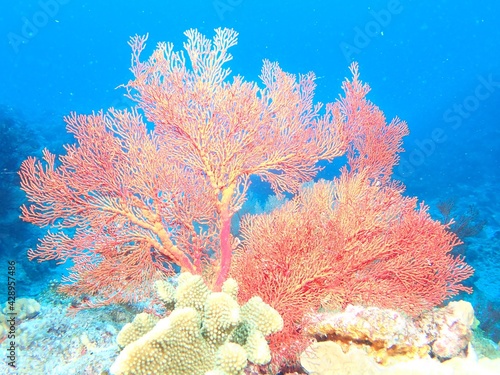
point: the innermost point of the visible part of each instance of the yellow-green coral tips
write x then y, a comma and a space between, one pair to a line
266, 319
257, 348
207, 333
221, 316
231, 359
166, 293
191, 292
230, 286
142, 324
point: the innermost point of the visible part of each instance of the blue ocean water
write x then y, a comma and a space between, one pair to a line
433, 64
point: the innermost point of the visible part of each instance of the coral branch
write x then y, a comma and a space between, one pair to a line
123, 196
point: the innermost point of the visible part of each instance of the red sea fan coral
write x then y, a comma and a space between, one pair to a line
131, 201
356, 240
346, 242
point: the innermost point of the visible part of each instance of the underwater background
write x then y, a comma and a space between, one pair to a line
433, 64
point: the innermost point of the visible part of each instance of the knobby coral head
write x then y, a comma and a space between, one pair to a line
127, 205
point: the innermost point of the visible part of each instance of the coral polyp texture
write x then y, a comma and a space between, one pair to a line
142, 324
206, 333
370, 340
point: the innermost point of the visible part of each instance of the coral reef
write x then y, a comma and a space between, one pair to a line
329, 358
448, 329
176, 208
345, 242
24, 308
388, 335
82, 344
384, 334
206, 333
380, 341
142, 324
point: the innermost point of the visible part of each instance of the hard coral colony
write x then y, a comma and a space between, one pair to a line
131, 206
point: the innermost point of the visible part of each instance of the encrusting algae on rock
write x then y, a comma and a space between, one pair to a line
364, 341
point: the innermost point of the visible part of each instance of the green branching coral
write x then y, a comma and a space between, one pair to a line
207, 333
